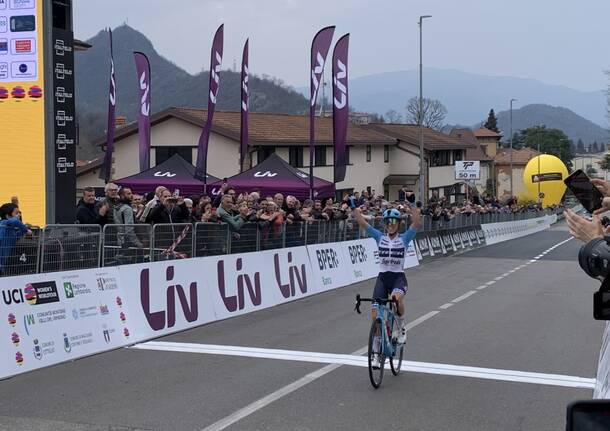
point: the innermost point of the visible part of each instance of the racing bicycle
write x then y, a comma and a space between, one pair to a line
383, 326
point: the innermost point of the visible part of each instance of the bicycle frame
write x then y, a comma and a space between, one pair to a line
386, 318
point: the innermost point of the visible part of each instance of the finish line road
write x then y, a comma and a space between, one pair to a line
500, 338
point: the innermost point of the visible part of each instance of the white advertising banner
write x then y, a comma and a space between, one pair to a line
253, 281
57, 317
504, 231
411, 259
167, 297
329, 266
362, 256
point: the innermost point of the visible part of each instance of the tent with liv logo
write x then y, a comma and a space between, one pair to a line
174, 173
274, 175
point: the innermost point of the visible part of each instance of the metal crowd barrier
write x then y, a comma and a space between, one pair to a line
69, 247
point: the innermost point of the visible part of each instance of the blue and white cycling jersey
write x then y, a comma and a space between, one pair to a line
392, 251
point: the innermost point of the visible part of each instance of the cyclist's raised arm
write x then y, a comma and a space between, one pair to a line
410, 233
364, 225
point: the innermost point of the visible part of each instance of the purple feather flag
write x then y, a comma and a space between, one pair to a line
143, 70
245, 106
215, 65
319, 51
106, 171
340, 107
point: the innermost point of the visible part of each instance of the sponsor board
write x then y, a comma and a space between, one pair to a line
47, 319
436, 244
411, 258
362, 259
447, 241
504, 231
457, 240
465, 239
423, 245
329, 266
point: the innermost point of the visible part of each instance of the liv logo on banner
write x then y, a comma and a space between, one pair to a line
172, 296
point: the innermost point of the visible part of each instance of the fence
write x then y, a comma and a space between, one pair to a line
69, 247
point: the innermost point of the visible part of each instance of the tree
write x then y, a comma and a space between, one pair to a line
602, 148
517, 142
594, 147
550, 141
393, 116
605, 163
434, 112
580, 146
492, 122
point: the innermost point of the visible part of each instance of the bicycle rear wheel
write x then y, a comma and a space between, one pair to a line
396, 360
375, 375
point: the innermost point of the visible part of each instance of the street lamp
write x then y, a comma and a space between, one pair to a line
422, 197
511, 147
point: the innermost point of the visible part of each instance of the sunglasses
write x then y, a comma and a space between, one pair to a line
392, 221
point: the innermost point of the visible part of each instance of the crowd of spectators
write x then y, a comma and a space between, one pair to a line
121, 206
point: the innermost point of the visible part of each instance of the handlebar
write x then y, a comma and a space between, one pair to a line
382, 301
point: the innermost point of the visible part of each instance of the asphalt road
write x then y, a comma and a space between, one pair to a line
504, 315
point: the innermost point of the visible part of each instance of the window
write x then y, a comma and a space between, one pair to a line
295, 157
386, 153
440, 158
457, 155
368, 153
263, 152
320, 156
164, 153
347, 154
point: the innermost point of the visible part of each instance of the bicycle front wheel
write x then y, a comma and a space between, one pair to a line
375, 374
396, 360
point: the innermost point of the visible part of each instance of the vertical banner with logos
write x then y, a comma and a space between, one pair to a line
106, 170
143, 71
46, 319
319, 51
64, 113
245, 107
214, 84
340, 107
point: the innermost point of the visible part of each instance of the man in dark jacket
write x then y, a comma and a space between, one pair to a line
170, 210
87, 212
112, 191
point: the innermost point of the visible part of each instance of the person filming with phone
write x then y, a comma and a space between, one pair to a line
594, 195
171, 209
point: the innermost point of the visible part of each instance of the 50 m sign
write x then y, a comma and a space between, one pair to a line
467, 170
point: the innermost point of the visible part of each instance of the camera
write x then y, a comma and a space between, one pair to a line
594, 259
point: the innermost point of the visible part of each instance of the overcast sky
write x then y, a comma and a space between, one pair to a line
555, 41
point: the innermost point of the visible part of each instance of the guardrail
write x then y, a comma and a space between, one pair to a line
70, 247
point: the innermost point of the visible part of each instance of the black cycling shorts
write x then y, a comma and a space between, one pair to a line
388, 282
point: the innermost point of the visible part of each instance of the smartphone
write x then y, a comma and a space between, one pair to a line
586, 193
588, 415
176, 193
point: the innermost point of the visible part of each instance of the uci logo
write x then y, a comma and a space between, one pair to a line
260, 174
164, 174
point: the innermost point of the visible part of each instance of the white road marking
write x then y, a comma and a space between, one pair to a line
498, 278
360, 361
464, 296
483, 373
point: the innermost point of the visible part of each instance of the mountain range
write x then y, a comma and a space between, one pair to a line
468, 97
171, 86
556, 117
